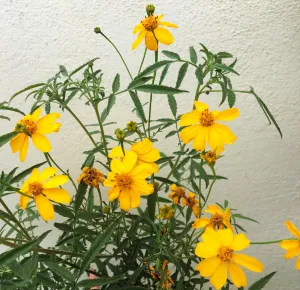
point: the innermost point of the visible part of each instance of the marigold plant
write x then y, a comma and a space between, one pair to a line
135, 216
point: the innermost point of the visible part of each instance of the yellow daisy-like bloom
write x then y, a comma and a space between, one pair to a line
202, 127
128, 181
292, 246
91, 176
166, 212
150, 29
218, 250
34, 127
177, 193
219, 219
43, 188
144, 150
191, 201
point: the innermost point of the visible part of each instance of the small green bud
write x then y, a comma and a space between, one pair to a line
106, 209
120, 134
97, 30
131, 126
150, 8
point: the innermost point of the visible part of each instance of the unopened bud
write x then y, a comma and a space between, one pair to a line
150, 8
97, 30
106, 209
131, 126
120, 134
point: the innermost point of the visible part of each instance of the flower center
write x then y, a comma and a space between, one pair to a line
150, 23
206, 118
216, 220
225, 254
35, 188
190, 201
180, 192
26, 126
124, 181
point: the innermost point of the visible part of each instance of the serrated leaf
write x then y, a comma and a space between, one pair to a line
26, 172
163, 74
193, 55
100, 281
82, 188
26, 89
172, 104
6, 108
171, 54
199, 74
181, 74
138, 82
60, 271
260, 284
7, 137
152, 68
224, 54
138, 105
231, 98
110, 103
221, 66
159, 89
116, 83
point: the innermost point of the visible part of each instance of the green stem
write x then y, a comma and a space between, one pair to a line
211, 186
48, 160
271, 242
145, 52
100, 197
199, 185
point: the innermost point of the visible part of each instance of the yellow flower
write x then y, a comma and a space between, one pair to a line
166, 212
91, 176
292, 246
192, 202
177, 193
218, 250
128, 181
210, 157
201, 127
145, 151
42, 189
35, 127
219, 219
150, 30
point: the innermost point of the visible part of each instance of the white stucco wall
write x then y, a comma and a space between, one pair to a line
263, 170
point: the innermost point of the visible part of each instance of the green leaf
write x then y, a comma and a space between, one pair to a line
224, 54
138, 105
7, 137
82, 188
60, 271
199, 74
13, 284
4, 117
99, 242
193, 55
260, 284
26, 89
24, 173
152, 68
12, 109
116, 84
188, 214
170, 134
172, 104
138, 82
13, 254
240, 216
221, 66
171, 54
181, 74
164, 180
164, 73
110, 103
31, 265
47, 108
82, 66
63, 71
159, 89
231, 98
100, 281
71, 96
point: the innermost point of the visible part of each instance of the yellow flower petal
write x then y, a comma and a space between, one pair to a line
237, 275
24, 149
135, 199
124, 199
208, 266
190, 118
138, 28
291, 253
168, 24
36, 114
213, 209
116, 152
240, 242
46, 173
139, 39
150, 41
289, 244
142, 147
293, 230
219, 278
129, 161
113, 193
45, 207
34, 176
200, 106
248, 262
225, 133
200, 139
151, 156
228, 115
116, 166
46, 124
173, 187
201, 223
41, 142
159, 17
23, 201
57, 194
17, 142
143, 187
205, 250
189, 133
55, 181
163, 35
226, 236
298, 264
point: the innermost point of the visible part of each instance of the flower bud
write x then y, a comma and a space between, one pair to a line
131, 126
106, 209
120, 134
210, 157
97, 30
150, 8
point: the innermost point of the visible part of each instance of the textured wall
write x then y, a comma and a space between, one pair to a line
263, 171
